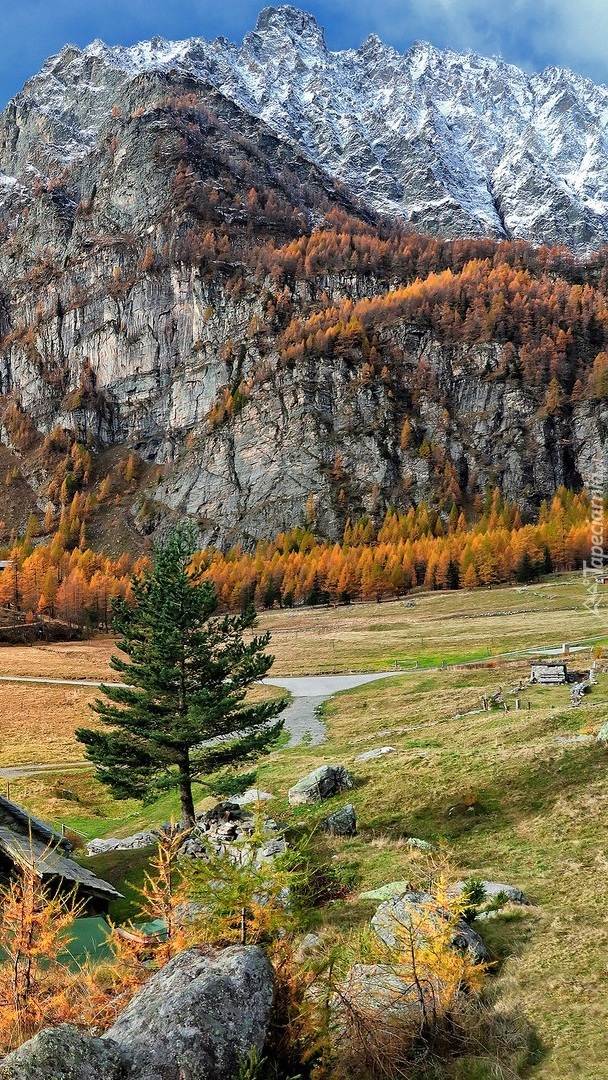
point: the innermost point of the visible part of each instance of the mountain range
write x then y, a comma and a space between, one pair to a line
193, 237
456, 145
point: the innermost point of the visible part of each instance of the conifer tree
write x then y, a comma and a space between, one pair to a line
183, 712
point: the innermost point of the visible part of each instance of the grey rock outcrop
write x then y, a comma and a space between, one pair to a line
251, 797
492, 891
417, 844
342, 822
270, 849
389, 891
101, 845
227, 829
197, 1017
371, 755
410, 914
502, 166
65, 1053
309, 945
382, 989
322, 783
123, 322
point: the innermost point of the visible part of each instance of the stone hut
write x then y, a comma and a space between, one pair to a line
549, 674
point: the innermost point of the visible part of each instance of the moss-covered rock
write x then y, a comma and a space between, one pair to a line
198, 1017
64, 1053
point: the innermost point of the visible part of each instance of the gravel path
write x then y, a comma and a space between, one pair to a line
308, 693
301, 719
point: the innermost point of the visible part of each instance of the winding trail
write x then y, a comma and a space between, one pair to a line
301, 715
307, 693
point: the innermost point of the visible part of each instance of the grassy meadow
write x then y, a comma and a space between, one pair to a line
516, 796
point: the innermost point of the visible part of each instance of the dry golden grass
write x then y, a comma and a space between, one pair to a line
37, 723
440, 626
66, 660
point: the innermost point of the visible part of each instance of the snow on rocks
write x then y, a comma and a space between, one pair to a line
469, 145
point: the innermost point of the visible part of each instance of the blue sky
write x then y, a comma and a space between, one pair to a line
531, 33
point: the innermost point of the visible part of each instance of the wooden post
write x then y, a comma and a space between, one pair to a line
517, 704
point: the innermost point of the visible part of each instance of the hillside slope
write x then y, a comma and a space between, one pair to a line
185, 283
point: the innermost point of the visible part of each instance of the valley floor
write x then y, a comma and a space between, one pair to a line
518, 796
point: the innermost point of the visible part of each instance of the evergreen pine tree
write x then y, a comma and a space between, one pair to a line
182, 713
525, 570
453, 575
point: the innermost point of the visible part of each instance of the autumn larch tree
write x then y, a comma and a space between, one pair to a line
183, 711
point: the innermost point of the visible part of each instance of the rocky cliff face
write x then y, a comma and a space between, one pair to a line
136, 183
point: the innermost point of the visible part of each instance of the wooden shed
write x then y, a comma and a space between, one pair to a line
27, 841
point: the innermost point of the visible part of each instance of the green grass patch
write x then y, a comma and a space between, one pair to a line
126, 871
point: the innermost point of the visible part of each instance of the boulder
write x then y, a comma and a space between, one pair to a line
602, 735
124, 843
466, 939
382, 989
493, 890
309, 945
387, 892
341, 823
198, 1017
64, 1053
324, 782
195, 1019
378, 1009
229, 810
573, 740
418, 844
228, 830
371, 755
270, 849
195, 846
395, 919
251, 796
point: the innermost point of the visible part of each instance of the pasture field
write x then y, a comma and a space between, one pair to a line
516, 796
428, 628
425, 629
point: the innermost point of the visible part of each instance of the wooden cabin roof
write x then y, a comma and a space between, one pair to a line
27, 841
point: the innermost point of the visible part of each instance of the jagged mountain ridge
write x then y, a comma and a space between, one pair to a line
454, 144
144, 301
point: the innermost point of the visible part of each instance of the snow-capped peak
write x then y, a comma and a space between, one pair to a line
455, 144
292, 21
